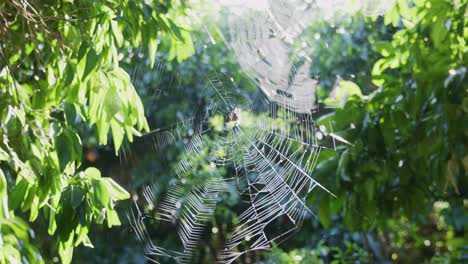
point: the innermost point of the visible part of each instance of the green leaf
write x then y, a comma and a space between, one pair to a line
18, 194
103, 126
342, 92
384, 48
342, 166
129, 132
14, 256
152, 48
70, 72
51, 79
112, 101
4, 155
34, 208
101, 194
439, 32
116, 191
81, 232
87, 242
66, 249
76, 147
77, 196
92, 59
64, 152
116, 32
3, 197
117, 135
52, 223
112, 218
324, 212
14, 58
174, 28
92, 173
68, 145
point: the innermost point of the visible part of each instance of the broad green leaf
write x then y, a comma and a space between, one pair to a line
77, 196
76, 146
87, 242
129, 132
66, 249
116, 191
112, 218
34, 208
92, 59
175, 30
18, 194
96, 102
103, 127
64, 146
384, 48
81, 233
342, 92
112, 101
92, 173
101, 194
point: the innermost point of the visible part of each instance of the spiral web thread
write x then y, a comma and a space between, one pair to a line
273, 154
263, 40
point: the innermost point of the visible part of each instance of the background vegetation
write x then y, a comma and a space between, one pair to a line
81, 81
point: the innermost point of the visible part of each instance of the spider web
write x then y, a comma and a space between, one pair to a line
272, 154
265, 41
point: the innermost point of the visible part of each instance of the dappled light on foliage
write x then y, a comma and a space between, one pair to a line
272, 131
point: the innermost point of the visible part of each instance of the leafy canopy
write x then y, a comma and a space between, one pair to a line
407, 139
60, 68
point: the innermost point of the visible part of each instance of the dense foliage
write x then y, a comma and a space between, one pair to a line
408, 138
60, 68
395, 87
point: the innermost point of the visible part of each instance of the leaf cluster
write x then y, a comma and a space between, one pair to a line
59, 69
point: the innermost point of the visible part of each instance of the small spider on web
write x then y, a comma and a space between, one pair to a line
271, 157
268, 158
